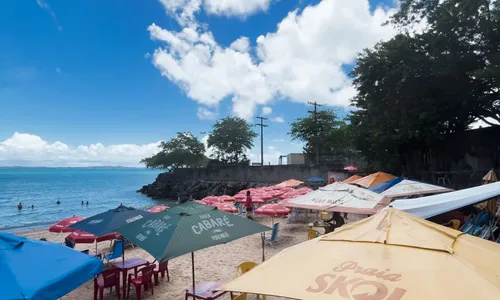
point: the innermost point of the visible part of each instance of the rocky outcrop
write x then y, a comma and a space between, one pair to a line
166, 186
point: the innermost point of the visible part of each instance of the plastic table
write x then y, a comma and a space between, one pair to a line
131, 263
205, 290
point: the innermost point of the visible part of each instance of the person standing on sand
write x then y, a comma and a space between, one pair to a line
249, 206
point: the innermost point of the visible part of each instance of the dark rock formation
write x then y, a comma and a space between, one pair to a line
166, 186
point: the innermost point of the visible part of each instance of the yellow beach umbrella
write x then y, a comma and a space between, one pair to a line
373, 179
352, 178
389, 256
489, 206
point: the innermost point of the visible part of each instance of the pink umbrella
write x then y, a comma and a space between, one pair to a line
157, 208
240, 197
62, 226
211, 198
351, 168
227, 207
272, 210
82, 237
304, 190
227, 198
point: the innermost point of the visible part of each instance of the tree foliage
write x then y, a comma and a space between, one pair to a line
418, 87
332, 137
182, 151
230, 138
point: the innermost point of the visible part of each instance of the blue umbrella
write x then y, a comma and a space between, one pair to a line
107, 222
379, 188
315, 179
42, 270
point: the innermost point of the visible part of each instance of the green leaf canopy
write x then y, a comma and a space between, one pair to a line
187, 228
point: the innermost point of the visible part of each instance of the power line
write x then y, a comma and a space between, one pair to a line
315, 112
262, 125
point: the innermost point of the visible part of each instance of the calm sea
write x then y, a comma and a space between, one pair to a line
42, 187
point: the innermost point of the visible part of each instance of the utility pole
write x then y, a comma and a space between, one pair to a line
315, 112
261, 124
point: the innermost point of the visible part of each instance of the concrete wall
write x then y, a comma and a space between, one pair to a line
271, 174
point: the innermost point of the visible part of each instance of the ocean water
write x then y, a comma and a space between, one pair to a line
42, 187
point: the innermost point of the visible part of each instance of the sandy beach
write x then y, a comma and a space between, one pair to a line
217, 263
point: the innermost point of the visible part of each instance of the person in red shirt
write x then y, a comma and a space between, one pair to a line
249, 205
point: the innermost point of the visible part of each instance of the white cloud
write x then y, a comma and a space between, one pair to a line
266, 110
205, 114
184, 11
278, 120
271, 155
236, 7
45, 6
300, 61
242, 44
32, 150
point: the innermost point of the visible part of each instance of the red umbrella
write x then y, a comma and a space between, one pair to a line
157, 208
227, 207
210, 198
272, 210
351, 168
304, 190
62, 226
82, 237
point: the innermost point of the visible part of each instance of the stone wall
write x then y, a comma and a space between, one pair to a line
269, 174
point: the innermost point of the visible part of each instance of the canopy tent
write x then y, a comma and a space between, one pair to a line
379, 188
351, 179
399, 187
389, 256
426, 207
186, 228
290, 183
42, 270
341, 197
107, 222
373, 179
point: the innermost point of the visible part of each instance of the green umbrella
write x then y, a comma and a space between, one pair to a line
186, 228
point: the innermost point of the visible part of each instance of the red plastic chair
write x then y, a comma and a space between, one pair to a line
107, 279
162, 269
144, 277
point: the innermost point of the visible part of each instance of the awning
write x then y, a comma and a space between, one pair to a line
426, 207
341, 197
408, 187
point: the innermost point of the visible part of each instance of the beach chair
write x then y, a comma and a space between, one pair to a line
144, 277
69, 244
242, 269
245, 267
107, 279
291, 218
274, 235
117, 252
162, 269
242, 296
312, 234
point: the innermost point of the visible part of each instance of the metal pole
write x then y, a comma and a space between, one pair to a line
262, 139
315, 112
263, 246
192, 269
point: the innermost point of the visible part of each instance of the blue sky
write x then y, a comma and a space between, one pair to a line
87, 73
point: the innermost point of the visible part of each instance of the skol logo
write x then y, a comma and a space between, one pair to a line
357, 287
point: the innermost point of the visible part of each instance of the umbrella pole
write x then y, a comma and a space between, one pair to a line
192, 269
123, 250
263, 246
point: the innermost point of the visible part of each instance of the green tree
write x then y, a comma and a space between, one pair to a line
230, 138
330, 133
419, 87
182, 151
